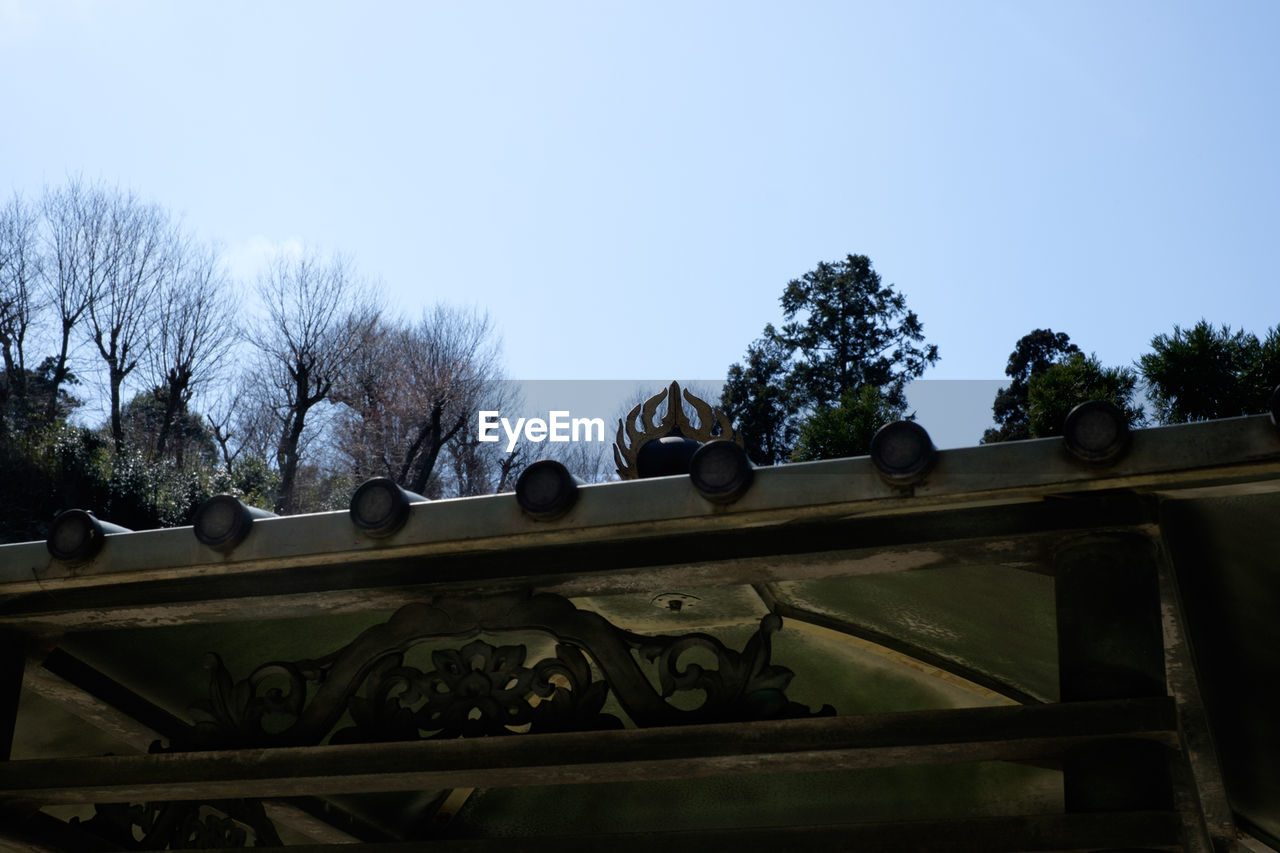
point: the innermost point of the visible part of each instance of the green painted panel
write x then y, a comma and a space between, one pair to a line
996, 620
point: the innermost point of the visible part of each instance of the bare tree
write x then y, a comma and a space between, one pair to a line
243, 421
317, 316
474, 467
79, 257
413, 391
369, 428
220, 418
20, 267
121, 309
589, 461
195, 331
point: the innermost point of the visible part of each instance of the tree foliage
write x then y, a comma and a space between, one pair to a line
1205, 372
1033, 354
63, 466
1078, 379
189, 442
126, 310
756, 399
845, 331
834, 432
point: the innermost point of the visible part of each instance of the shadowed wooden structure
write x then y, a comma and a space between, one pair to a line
1009, 647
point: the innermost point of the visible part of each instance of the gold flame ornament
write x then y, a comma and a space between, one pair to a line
640, 427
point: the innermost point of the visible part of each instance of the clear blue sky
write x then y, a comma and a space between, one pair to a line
627, 188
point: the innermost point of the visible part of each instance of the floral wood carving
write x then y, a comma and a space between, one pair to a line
481, 689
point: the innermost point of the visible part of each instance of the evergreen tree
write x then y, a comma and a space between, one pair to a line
848, 330
847, 429
757, 402
1032, 355
1203, 373
1063, 386
845, 331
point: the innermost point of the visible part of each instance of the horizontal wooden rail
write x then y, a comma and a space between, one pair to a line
827, 743
1070, 833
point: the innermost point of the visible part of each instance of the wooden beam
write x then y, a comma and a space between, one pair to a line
1022, 537
89, 708
1077, 833
103, 701
829, 743
13, 659
305, 823
1199, 787
1254, 838
1111, 646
